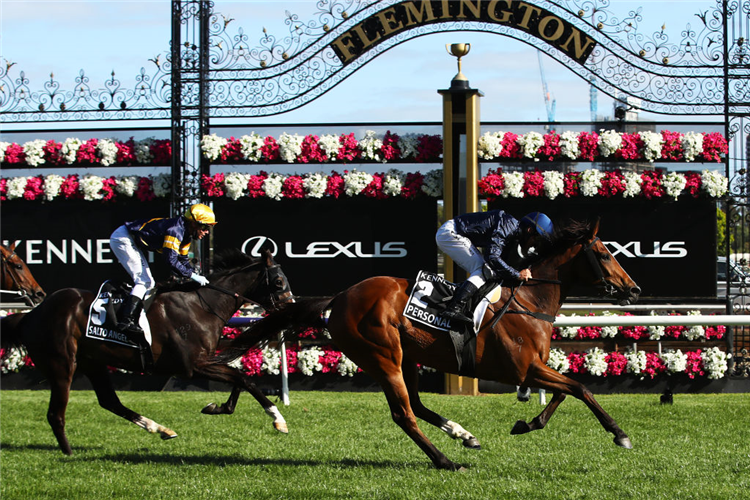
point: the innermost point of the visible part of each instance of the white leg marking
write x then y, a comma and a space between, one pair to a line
455, 431
278, 420
154, 428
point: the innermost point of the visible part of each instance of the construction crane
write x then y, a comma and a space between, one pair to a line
549, 100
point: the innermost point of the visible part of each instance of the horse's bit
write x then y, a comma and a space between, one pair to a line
8, 267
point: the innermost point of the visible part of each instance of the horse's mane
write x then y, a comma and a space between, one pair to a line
225, 262
569, 234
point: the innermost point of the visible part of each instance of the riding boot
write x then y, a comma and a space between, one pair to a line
458, 304
130, 314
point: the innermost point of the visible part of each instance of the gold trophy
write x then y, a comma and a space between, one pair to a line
458, 50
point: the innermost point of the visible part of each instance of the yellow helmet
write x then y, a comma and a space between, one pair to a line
201, 213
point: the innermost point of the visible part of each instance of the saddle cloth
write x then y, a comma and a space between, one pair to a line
102, 321
429, 297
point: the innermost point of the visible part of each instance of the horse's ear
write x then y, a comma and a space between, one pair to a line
267, 255
595, 227
12, 247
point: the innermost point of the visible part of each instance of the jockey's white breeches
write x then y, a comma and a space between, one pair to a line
462, 251
132, 259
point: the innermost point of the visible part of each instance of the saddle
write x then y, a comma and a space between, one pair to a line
428, 298
102, 320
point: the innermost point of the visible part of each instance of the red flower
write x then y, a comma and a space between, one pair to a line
412, 185
348, 150
161, 150
429, 148
3, 189
491, 185
714, 145
613, 184
511, 148
70, 188
572, 184
588, 144
577, 362
311, 150
87, 152
232, 151
255, 185
715, 332
336, 185
145, 191
533, 183
108, 188
672, 148
213, 186
694, 364
551, 147
270, 149
693, 183
330, 359
52, 153
651, 186
34, 188
14, 154
654, 365
293, 187
616, 364
390, 148
633, 332
631, 147
252, 362
126, 152
375, 188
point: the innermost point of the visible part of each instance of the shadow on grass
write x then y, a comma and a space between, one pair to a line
41, 447
223, 461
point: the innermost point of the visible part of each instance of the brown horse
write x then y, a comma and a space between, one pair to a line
17, 279
186, 322
367, 323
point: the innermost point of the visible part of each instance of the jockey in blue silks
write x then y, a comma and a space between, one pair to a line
493, 231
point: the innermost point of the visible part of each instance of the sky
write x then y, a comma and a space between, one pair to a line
63, 37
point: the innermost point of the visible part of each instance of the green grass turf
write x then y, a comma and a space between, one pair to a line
344, 445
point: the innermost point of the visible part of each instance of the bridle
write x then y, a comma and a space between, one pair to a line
609, 288
8, 267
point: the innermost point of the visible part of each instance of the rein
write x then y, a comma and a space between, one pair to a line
7, 268
609, 288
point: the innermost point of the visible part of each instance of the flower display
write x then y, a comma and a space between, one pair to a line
648, 184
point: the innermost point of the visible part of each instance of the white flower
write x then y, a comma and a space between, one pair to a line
433, 183
250, 146
558, 360
91, 186
490, 145
290, 146
652, 144
393, 181
655, 332
162, 185
692, 145
69, 150
211, 146
714, 362
34, 151
330, 144
271, 361
609, 142
355, 182
714, 183
674, 183
16, 187
370, 146
609, 332
553, 183
52, 185
633, 183
595, 361
569, 147
236, 184
569, 332
513, 185
13, 360
107, 150
530, 143
126, 185
674, 361
315, 185
143, 151
591, 181
636, 361
696, 331
272, 185
308, 360
346, 367
408, 143
3, 147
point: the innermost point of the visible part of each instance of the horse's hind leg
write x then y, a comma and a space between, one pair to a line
540, 420
58, 403
454, 430
107, 397
239, 381
544, 377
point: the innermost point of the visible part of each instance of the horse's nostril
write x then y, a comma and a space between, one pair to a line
636, 290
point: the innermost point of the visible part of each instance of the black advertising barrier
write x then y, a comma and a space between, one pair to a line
668, 247
66, 243
326, 245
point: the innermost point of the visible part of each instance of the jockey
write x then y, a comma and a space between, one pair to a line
169, 237
493, 231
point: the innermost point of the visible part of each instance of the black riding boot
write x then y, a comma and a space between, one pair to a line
128, 324
459, 302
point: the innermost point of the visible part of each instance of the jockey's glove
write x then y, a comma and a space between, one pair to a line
200, 279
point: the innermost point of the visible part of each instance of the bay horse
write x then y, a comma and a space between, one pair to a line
16, 278
367, 323
186, 322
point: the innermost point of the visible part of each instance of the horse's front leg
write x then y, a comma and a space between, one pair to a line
544, 377
226, 408
454, 430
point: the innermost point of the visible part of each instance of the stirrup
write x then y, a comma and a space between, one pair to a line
458, 316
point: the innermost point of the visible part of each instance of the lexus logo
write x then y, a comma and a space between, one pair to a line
256, 243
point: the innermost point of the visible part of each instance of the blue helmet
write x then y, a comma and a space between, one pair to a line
540, 222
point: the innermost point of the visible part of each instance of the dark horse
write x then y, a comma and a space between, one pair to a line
367, 324
186, 323
17, 279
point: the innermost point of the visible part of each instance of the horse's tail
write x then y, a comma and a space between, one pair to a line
11, 329
289, 319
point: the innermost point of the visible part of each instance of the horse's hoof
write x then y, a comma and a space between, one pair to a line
210, 409
472, 443
168, 434
452, 466
521, 427
281, 427
624, 442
